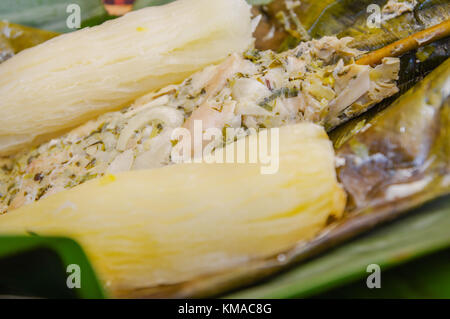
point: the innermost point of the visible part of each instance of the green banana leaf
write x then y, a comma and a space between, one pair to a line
423, 232
52, 14
34, 266
425, 278
48, 14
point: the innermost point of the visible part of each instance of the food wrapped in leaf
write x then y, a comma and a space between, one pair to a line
389, 160
153, 228
318, 82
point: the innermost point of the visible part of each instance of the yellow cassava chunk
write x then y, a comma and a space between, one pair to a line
173, 224
77, 76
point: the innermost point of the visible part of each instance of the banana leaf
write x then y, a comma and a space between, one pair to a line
343, 18
424, 278
48, 14
363, 219
422, 233
52, 14
34, 266
349, 18
404, 146
15, 38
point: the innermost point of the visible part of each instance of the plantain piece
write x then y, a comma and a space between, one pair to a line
142, 242
15, 38
75, 77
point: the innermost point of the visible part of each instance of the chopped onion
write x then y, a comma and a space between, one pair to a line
169, 116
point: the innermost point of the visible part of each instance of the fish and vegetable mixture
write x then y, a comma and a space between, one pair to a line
318, 81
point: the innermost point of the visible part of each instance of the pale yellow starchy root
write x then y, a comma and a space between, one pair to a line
173, 224
74, 77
